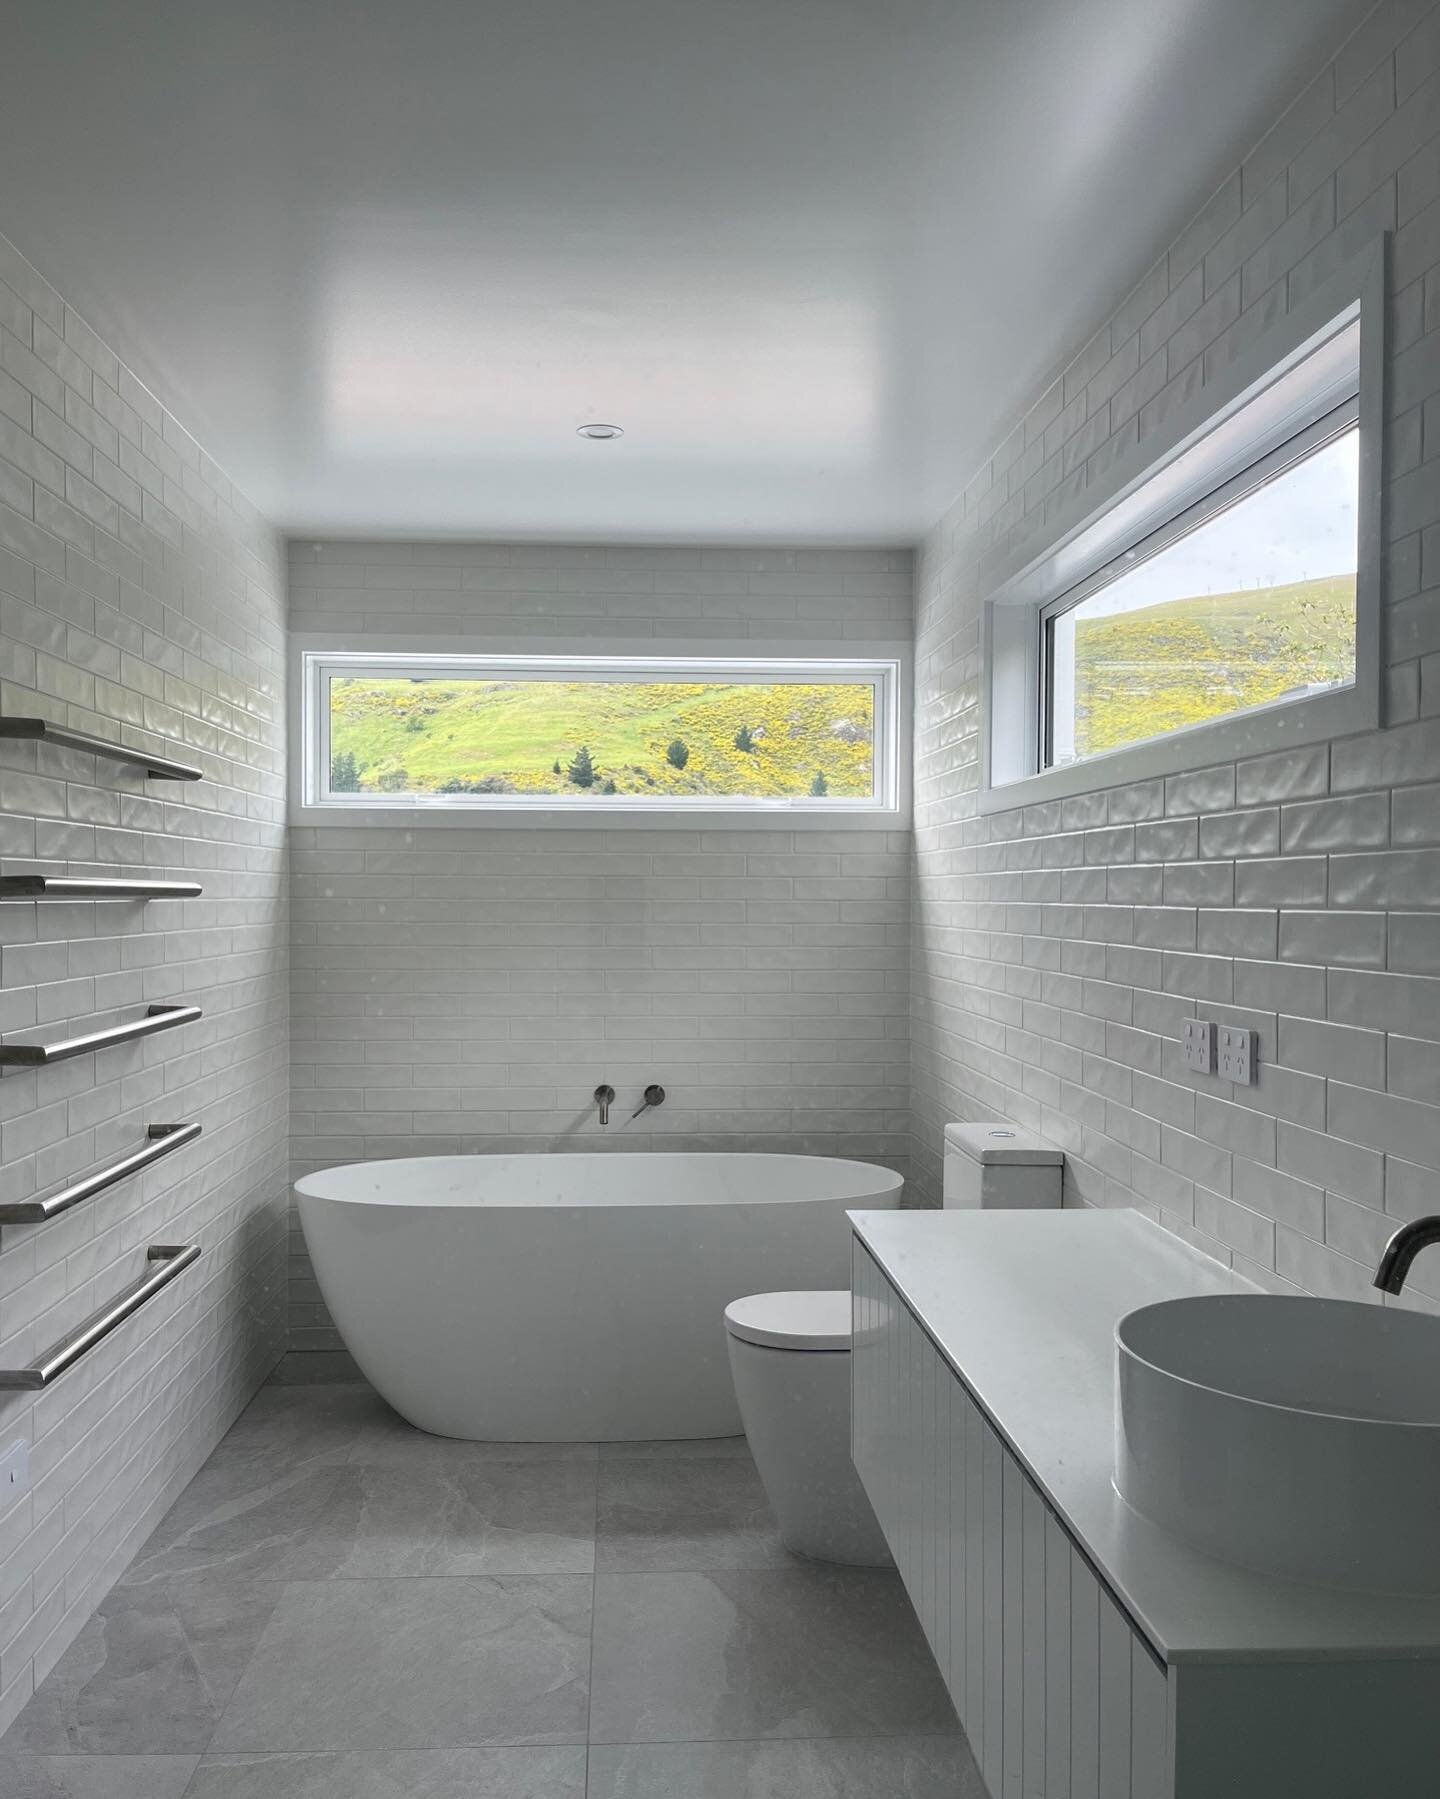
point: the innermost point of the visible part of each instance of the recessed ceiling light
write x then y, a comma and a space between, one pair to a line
598, 433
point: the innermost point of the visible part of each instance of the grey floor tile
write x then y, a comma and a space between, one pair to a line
238, 1516
549, 1773
95, 1776
477, 1518
864, 1768
151, 1672
420, 1663
695, 1507
388, 1441
287, 1426
758, 1653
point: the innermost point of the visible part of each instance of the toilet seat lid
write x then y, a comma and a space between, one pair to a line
792, 1320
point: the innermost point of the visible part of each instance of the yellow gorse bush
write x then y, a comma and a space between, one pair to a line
1140, 674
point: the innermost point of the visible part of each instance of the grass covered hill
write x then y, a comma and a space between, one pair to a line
1138, 674
430, 736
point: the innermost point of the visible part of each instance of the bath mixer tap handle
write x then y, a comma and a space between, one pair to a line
604, 1098
654, 1096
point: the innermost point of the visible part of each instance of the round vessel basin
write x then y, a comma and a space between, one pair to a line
1300, 1437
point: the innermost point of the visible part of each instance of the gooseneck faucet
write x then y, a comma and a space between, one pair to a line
654, 1096
1402, 1250
604, 1098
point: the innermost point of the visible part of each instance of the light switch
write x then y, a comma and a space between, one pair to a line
1199, 1043
1236, 1055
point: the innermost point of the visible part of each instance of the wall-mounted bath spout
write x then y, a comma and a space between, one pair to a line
604, 1098
654, 1096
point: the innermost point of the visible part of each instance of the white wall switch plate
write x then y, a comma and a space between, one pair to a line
1236, 1055
14, 1471
1199, 1044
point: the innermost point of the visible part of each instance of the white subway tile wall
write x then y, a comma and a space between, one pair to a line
142, 600
1059, 946
466, 988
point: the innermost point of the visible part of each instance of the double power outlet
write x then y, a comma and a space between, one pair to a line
1222, 1049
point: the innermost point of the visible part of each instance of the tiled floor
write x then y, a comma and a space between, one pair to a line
340, 1607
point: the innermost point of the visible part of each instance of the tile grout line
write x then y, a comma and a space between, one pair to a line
594, 1584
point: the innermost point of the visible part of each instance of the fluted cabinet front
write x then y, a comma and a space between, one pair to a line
1059, 1695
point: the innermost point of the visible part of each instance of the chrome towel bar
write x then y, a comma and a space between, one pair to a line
163, 1139
41, 730
32, 887
169, 1259
41, 1055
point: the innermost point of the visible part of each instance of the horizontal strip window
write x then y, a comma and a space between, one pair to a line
1247, 600
1224, 601
596, 735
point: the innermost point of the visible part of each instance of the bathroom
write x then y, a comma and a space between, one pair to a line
868, 1268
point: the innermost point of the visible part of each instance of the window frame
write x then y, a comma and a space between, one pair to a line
1294, 380
1326, 429
885, 668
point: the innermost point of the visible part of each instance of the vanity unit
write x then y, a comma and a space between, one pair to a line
1090, 1654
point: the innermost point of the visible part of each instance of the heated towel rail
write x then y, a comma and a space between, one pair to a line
163, 1139
30, 887
169, 1259
41, 730
41, 1055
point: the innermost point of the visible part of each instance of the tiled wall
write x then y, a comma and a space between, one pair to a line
1057, 948
466, 988
140, 599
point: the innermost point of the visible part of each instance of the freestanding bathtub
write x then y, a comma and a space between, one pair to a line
554, 1298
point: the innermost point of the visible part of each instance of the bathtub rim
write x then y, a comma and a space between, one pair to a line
887, 1182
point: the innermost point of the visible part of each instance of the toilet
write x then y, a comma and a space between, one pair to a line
790, 1358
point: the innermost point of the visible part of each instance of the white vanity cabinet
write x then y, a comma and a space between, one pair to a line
1060, 1697
1089, 1654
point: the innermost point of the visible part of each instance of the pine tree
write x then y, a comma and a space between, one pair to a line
344, 773
819, 787
556, 769
582, 768
744, 738
678, 754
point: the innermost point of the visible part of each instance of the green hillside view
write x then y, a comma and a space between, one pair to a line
1139, 674
664, 740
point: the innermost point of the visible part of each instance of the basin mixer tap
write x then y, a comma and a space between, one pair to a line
604, 1098
1402, 1250
654, 1096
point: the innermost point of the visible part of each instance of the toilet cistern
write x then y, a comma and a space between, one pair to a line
997, 1166
1402, 1250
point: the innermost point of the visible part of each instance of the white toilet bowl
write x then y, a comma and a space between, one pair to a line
790, 1356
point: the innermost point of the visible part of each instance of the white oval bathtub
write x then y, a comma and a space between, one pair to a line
554, 1298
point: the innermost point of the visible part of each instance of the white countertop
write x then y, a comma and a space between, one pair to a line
1023, 1305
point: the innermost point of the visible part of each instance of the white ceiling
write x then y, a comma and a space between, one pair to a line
383, 256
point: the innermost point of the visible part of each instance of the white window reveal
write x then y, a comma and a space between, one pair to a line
596, 736
1226, 601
